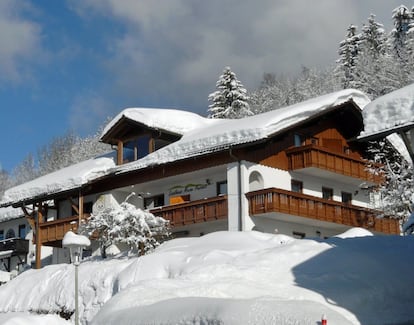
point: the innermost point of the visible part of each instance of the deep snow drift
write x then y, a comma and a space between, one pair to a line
233, 278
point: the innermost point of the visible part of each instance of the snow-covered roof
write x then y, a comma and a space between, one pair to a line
59, 181
171, 120
10, 213
224, 133
389, 113
200, 136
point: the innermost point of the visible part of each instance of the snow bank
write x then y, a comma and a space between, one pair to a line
28, 319
234, 278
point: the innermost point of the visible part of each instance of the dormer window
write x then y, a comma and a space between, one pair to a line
134, 149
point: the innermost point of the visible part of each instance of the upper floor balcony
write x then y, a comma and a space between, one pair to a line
319, 161
52, 232
192, 212
277, 201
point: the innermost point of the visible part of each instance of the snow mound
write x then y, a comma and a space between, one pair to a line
355, 232
233, 278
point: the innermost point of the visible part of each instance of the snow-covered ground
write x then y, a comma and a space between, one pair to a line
230, 278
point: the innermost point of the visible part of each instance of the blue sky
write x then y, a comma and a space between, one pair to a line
69, 64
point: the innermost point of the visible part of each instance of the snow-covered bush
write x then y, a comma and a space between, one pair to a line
139, 230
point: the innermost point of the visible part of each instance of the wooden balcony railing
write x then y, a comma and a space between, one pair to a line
194, 212
52, 232
298, 204
314, 156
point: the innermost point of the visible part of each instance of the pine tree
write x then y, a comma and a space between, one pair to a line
374, 63
396, 193
230, 100
348, 58
4, 181
400, 43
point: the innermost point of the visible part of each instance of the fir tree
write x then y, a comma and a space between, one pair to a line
396, 192
400, 43
374, 62
230, 100
348, 58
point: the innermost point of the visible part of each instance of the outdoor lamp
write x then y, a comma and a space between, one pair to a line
76, 244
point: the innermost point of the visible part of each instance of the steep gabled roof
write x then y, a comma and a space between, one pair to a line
222, 133
171, 121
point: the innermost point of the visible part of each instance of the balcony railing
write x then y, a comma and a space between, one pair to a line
315, 156
17, 245
52, 232
194, 212
274, 200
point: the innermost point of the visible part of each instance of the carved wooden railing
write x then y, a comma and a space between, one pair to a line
314, 156
194, 212
298, 204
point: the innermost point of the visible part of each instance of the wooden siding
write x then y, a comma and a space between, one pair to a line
274, 200
194, 212
315, 156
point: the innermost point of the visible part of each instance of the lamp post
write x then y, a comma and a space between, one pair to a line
76, 244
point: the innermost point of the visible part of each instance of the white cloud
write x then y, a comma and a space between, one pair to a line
88, 112
173, 51
19, 38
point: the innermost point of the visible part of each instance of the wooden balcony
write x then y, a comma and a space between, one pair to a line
52, 232
194, 212
309, 156
274, 200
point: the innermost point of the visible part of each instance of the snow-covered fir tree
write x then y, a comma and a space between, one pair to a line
396, 193
399, 43
374, 63
125, 224
4, 181
348, 58
280, 91
230, 100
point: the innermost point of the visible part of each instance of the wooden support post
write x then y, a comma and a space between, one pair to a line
120, 153
38, 237
80, 213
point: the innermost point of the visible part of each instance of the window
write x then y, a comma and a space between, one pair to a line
298, 235
154, 201
87, 208
1, 234
22, 231
299, 140
327, 193
221, 188
346, 197
314, 141
296, 186
10, 234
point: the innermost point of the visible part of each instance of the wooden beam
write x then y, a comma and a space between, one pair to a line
38, 237
74, 206
80, 212
120, 153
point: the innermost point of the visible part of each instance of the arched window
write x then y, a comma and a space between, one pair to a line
255, 181
10, 234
